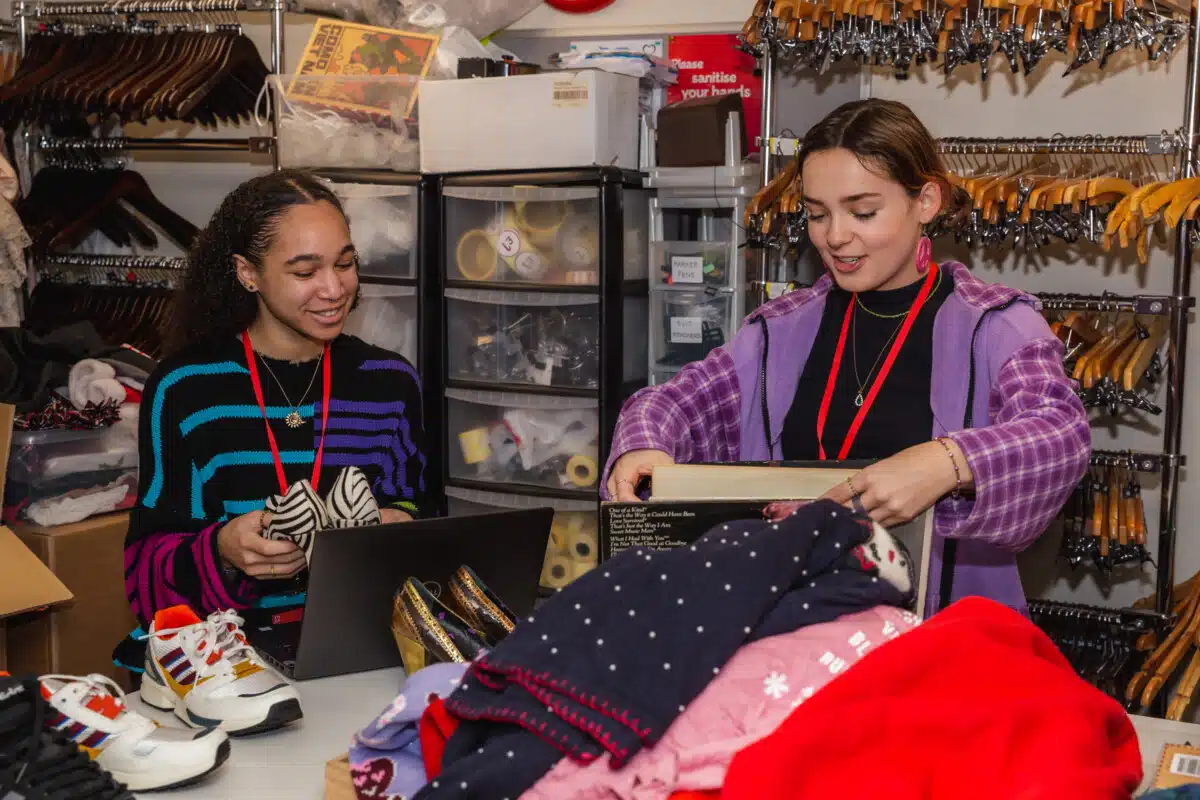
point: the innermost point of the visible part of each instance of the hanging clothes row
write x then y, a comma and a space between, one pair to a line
1104, 521
906, 34
1111, 191
204, 71
64, 206
127, 300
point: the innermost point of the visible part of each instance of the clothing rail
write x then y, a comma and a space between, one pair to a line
26, 10
1165, 143
1139, 462
92, 146
1134, 618
1138, 304
82, 261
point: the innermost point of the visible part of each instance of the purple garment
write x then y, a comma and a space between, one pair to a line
385, 756
1031, 452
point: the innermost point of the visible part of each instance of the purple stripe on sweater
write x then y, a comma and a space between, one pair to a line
355, 441
394, 408
385, 461
393, 365
337, 423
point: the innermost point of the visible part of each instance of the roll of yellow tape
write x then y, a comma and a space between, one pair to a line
476, 255
582, 547
579, 242
540, 220
474, 444
557, 571
582, 471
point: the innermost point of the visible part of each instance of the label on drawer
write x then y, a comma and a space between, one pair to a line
509, 243
687, 330
687, 269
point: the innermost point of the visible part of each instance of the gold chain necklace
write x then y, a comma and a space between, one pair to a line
858, 300
293, 419
858, 397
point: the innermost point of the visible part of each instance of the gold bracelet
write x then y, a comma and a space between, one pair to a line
954, 463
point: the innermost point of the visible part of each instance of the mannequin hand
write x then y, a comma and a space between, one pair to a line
242, 545
631, 468
897, 489
389, 515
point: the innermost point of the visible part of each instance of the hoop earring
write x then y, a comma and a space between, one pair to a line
924, 254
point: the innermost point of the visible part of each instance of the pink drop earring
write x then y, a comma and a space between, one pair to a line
924, 254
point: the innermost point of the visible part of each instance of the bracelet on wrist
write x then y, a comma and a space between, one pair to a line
957, 492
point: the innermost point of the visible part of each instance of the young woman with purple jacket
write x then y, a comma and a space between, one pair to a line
953, 387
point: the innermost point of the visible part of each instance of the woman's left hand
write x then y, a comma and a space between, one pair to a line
897, 489
389, 515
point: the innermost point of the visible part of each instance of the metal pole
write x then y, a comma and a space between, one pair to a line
1177, 349
278, 7
768, 67
125, 143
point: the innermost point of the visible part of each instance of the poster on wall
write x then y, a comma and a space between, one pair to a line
711, 65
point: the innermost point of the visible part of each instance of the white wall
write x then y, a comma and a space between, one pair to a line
639, 16
1131, 96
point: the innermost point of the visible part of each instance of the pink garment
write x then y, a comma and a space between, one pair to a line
755, 692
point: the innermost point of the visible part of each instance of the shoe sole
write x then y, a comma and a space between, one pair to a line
223, 752
281, 714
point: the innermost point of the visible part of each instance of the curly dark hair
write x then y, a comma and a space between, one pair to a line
212, 303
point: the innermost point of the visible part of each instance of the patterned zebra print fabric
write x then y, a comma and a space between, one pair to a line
350, 503
298, 515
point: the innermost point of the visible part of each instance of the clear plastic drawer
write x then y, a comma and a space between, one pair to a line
697, 264
383, 224
509, 438
573, 547
685, 326
386, 317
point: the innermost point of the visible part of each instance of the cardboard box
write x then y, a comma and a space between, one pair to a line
88, 558
552, 120
27, 587
338, 783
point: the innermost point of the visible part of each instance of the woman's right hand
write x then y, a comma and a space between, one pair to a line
630, 468
242, 545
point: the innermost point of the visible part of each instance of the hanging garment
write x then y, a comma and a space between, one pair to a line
755, 692
385, 756
976, 702
12, 254
32, 367
611, 661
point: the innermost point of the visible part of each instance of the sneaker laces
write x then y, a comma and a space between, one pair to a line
227, 627
87, 687
61, 770
218, 641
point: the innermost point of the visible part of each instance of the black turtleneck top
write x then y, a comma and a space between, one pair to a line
901, 415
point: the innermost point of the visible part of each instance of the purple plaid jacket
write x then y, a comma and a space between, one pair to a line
1026, 458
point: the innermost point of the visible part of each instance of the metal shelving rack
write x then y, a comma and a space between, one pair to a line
1183, 145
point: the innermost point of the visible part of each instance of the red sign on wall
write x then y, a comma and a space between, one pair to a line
713, 65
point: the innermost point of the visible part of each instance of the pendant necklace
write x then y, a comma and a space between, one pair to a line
858, 398
293, 419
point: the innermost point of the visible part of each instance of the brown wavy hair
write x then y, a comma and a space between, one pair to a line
890, 141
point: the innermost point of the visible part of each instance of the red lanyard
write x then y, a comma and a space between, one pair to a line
252, 363
877, 384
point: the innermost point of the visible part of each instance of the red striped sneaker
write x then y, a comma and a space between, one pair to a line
206, 673
91, 712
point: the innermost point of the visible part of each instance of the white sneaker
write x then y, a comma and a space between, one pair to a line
91, 711
206, 673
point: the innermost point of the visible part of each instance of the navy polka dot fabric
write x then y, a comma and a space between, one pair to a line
610, 662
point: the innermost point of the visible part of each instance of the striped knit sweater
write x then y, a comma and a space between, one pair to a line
205, 458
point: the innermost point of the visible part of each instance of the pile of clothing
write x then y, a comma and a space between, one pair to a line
767, 660
76, 405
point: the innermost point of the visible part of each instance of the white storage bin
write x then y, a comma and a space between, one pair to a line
538, 338
383, 226
503, 437
552, 120
573, 548
540, 235
685, 325
386, 317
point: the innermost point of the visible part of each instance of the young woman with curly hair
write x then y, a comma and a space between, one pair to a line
260, 384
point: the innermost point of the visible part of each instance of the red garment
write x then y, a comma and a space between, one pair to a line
695, 796
975, 703
434, 730
132, 395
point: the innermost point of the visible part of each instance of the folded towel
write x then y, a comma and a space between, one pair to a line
92, 381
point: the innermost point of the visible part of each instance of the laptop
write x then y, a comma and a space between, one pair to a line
345, 623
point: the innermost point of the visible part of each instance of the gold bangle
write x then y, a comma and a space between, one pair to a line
954, 463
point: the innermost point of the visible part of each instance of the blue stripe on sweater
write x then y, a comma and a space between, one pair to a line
156, 415
239, 411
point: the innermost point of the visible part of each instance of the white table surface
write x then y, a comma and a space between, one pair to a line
1153, 735
290, 763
